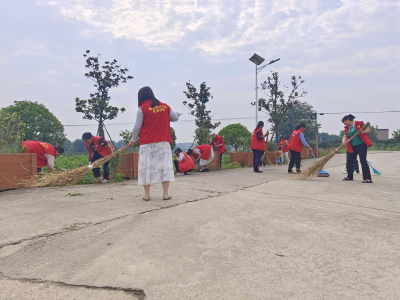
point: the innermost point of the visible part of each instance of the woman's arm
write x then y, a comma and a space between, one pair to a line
366, 131
138, 126
265, 135
173, 117
344, 139
303, 141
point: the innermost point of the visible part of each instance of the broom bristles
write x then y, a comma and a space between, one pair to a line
316, 167
68, 177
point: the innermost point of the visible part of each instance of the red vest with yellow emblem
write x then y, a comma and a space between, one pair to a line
156, 127
104, 151
40, 148
364, 137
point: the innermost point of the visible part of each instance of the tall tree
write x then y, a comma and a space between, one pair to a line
41, 124
298, 113
108, 76
198, 108
279, 100
11, 132
396, 135
237, 136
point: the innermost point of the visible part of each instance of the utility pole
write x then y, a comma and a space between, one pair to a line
316, 132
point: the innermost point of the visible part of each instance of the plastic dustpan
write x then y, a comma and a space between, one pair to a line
321, 173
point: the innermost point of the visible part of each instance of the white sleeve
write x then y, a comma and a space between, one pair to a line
138, 125
173, 117
50, 160
197, 151
181, 156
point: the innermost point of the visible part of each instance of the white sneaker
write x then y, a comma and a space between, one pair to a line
344, 172
97, 180
179, 174
104, 181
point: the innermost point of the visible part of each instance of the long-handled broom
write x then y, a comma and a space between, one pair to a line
316, 167
69, 177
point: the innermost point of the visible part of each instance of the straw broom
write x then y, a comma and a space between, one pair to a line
69, 177
316, 167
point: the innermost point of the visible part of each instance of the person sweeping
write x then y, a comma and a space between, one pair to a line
45, 153
183, 162
98, 148
296, 143
357, 146
218, 141
258, 145
203, 155
153, 128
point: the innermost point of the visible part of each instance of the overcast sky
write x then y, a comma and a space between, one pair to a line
347, 52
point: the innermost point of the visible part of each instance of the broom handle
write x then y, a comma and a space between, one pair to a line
103, 160
353, 137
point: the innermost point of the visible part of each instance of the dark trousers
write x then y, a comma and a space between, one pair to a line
257, 155
96, 171
361, 150
176, 163
220, 160
356, 166
295, 159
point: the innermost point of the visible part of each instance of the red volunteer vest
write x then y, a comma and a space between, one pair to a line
156, 126
364, 137
257, 144
295, 143
104, 151
186, 164
205, 151
40, 148
282, 145
218, 141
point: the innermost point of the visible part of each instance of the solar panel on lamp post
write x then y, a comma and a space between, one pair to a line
258, 60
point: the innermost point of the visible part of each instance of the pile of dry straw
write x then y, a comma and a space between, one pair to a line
68, 177
316, 167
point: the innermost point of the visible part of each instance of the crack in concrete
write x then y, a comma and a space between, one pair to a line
138, 293
330, 201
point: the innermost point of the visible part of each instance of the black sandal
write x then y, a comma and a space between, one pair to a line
348, 179
367, 181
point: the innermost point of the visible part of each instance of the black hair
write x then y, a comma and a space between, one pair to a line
189, 152
59, 149
280, 148
348, 117
260, 123
86, 136
281, 137
146, 93
178, 150
301, 125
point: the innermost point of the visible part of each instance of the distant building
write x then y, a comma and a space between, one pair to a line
383, 134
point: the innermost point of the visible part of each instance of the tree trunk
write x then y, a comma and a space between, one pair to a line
100, 129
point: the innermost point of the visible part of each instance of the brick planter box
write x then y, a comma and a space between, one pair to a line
126, 166
15, 168
240, 158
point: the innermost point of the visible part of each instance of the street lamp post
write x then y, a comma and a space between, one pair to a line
258, 60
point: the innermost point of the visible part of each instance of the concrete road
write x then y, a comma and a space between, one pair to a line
229, 234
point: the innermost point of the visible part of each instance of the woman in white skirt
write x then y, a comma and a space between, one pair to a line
152, 128
203, 154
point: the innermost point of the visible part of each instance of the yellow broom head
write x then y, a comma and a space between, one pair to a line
316, 167
67, 177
